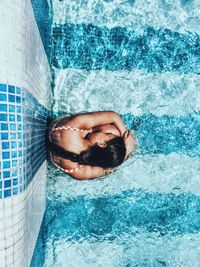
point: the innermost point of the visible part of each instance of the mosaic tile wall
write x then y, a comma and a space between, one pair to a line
25, 98
22, 139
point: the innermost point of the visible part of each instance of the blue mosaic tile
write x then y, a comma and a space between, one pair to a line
3, 107
13, 154
7, 183
3, 97
6, 164
19, 135
3, 87
15, 182
6, 174
3, 117
11, 108
18, 99
19, 118
21, 179
4, 136
11, 117
15, 191
11, 98
5, 155
14, 172
13, 135
11, 89
5, 145
18, 90
14, 163
7, 193
13, 144
19, 109
4, 126
19, 144
25, 121
13, 126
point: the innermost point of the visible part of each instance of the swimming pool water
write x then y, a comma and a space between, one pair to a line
141, 59
85, 46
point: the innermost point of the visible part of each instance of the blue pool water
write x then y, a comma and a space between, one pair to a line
85, 46
141, 59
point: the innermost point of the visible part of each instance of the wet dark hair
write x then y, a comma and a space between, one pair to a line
106, 157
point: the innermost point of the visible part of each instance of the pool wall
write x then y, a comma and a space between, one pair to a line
25, 101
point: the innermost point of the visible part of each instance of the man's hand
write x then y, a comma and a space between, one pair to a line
129, 143
108, 171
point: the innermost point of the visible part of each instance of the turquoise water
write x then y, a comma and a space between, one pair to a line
141, 59
109, 217
85, 46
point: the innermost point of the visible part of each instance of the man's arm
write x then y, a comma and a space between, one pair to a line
93, 119
90, 172
86, 172
107, 128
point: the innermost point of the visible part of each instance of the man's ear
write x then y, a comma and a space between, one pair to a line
100, 144
125, 134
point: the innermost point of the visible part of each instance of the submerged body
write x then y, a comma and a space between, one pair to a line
76, 134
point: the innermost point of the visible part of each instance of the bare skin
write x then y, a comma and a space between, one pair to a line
100, 128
